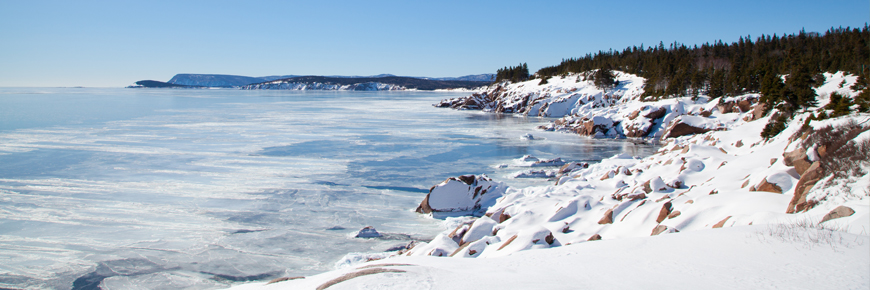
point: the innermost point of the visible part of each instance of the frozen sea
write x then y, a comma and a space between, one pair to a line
202, 189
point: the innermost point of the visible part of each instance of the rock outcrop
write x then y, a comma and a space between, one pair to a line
463, 193
840, 211
809, 179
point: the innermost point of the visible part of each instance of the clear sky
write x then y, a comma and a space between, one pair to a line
115, 43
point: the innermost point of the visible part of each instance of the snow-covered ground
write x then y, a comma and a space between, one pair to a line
745, 257
717, 207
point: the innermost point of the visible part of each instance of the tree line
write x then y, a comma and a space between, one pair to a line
722, 69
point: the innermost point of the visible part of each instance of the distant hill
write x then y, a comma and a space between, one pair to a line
213, 80
346, 83
471, 78
219, 80
159, 84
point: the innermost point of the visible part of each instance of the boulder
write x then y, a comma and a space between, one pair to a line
594, 237
721, 223
744, 105
660, 112
767, 186
657, 184
674, 214
503, 217
809, 179
480, 228
368, 232
571, 166
635, 196
798, 159
758, 111
463, 193
659, 229
840, 211
646, 187
607, 218
681, 128
664, 212
725, 107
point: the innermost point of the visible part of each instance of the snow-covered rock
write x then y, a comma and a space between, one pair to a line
368, 232
465, 193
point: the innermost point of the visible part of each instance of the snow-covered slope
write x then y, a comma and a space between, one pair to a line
784, 200
614, 113
746, 257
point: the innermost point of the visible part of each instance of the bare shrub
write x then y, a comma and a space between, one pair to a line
843, 156
809, 234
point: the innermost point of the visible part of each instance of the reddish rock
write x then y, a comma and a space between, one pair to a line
607, 218
808, 180
634, 115
508, 242
594, 237
637, 131
549, 239
721, 223
744, 105
659, 229
840, 211
608, 175
636, 196
772, 161
758, 111
726, 107
674, 214
768, 187
739, 143
657, 113
683, 129
664, 212
646, 187
798, 159
424, 205
503, 217
706, 113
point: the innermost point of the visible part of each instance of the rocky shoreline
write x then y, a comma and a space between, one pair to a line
713, 171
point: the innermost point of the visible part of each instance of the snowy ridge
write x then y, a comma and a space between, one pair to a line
302, 86
715, 191
588, 110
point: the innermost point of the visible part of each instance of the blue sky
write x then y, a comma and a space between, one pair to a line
115, 43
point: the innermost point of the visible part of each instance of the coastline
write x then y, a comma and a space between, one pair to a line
726, 176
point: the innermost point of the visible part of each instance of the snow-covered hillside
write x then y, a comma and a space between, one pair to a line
716, 206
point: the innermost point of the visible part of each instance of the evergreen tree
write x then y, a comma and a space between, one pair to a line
604, 79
